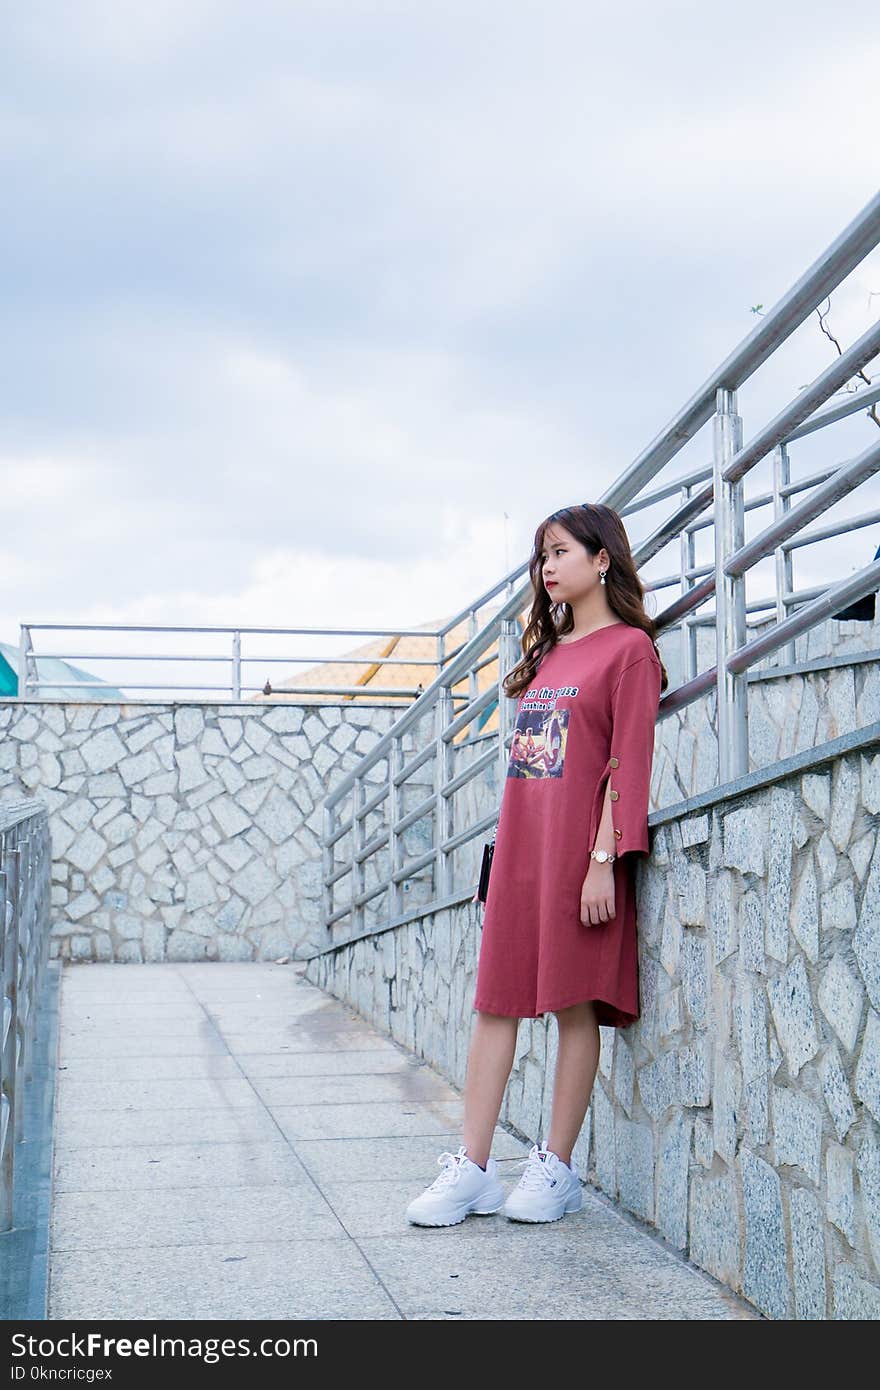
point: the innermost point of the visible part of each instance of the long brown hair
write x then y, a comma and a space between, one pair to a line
595, 526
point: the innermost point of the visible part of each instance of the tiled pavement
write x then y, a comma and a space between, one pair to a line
231, 1142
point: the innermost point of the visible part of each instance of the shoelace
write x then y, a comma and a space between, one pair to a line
451, 1169
537, 1174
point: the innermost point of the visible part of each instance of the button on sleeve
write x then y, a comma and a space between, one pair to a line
634, 703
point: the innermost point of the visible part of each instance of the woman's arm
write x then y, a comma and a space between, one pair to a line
597, 892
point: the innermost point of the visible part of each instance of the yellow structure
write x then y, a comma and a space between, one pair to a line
398, 674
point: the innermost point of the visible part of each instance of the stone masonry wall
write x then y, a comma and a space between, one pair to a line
789, 711
740, 1115
183, 831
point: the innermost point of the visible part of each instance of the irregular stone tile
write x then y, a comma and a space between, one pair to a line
826, 858
805, 912
841, 998
866, 939
765, 1275
797, 1131
855, 1299
192, 771
839, 1205
793, 1016
714, 1224
694, 1073
86, 850
845, 803
103, 750
635, 1167
745, 835
868, 1165
816, 792
722, 919
751, 932
867, 1078
672, 1178
808, 1256
779, 875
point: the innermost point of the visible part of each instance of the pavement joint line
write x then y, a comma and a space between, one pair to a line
289, 1143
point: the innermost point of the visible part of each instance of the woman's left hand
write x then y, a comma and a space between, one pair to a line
597, 894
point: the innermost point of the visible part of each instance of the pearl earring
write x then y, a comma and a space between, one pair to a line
602, 574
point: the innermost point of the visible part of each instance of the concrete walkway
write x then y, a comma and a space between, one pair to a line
231, 1142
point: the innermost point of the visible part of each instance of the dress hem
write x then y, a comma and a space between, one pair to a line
608, 1015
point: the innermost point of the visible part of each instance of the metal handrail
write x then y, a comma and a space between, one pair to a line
25, 888
705, 496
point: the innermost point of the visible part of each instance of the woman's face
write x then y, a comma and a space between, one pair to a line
568, 571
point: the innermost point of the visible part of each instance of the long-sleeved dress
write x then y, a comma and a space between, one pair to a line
588, 715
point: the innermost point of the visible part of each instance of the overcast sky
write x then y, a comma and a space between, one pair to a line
302, 298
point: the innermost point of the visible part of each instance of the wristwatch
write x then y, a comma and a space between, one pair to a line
602, 856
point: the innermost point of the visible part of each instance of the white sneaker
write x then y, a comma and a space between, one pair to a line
546, 1191
463, 1187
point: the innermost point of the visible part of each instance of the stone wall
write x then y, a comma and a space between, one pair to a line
740, 1115
184, 831
833, 689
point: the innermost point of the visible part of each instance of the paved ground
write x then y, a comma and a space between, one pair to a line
231, 1142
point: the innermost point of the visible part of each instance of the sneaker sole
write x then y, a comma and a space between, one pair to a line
568, 1209
456, 1220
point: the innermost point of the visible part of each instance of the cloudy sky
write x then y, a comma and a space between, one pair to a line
313, 309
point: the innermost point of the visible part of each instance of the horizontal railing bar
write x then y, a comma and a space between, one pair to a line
849, 590
468, 773
470, 832
339, 873
447, 678
670, 529
244, 660
370, 846
837, 528
287, 690
857, 402
670, 489
685, 603
824, 275
779, 428
405, 771
486, 697
276, 631
839, 485
415, 813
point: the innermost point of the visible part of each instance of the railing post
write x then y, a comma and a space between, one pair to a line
730, 605
8, 1044
236, 665
688, 630
443, 713
395, 802
26, 666
782, 554
508, 655
328, 858
358, 875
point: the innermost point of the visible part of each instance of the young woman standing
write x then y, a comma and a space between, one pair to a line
559, 925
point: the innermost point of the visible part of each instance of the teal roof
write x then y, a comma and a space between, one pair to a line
51, 668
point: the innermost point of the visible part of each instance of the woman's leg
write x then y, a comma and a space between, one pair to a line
577, 1060
490, 1058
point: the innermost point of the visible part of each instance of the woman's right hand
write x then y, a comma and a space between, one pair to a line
597, 894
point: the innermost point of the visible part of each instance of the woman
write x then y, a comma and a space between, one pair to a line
559, 927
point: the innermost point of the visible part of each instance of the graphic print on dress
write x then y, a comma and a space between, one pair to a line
537, 747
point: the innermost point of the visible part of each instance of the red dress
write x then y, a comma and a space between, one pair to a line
588, 715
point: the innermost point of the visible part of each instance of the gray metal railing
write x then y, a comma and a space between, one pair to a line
25, 890
355, 852
31, 685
